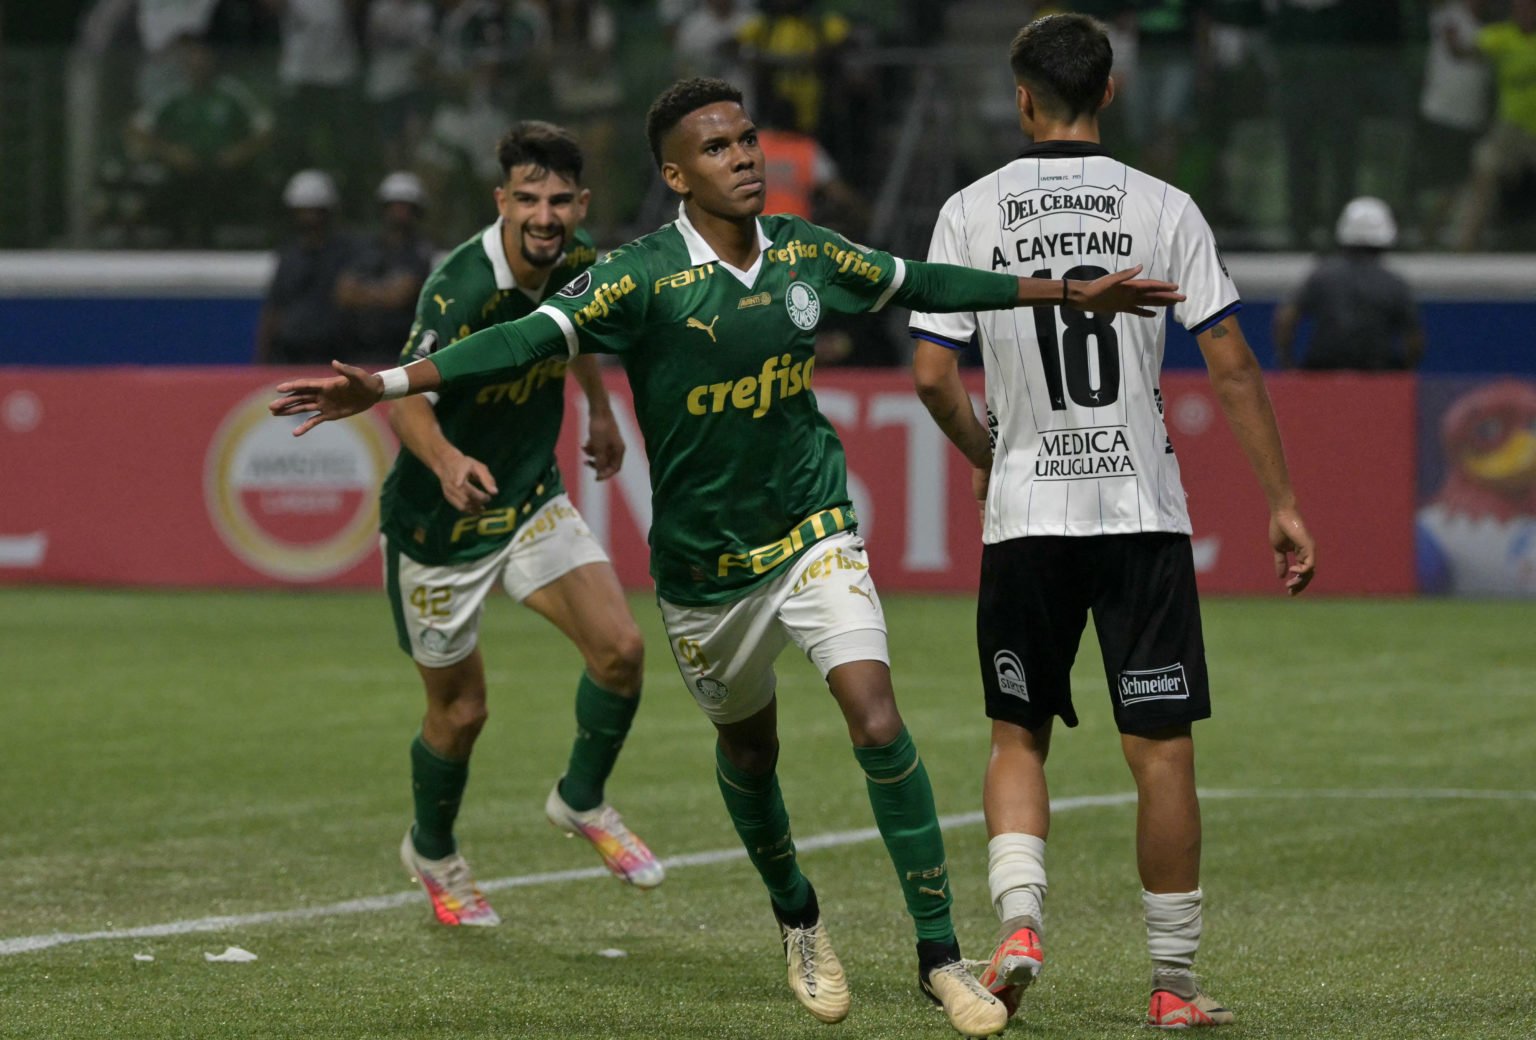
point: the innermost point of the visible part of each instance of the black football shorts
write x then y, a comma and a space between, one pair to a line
1035, 597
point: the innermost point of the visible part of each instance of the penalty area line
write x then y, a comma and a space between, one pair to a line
832, 839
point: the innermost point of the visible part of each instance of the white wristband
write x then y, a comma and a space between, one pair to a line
396, 383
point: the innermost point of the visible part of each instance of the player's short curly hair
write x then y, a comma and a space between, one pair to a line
1064, 59
677, 101
541, 145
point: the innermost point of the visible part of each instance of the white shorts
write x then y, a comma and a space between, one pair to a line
825, 603
437, 608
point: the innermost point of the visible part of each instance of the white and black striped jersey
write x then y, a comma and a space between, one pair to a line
1072, 398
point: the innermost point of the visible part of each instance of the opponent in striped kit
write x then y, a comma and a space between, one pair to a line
1084, 508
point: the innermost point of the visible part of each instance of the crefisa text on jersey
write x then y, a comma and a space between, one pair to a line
1073, 454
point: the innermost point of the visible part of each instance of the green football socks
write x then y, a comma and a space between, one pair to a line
438, 786
602, 722
902, 799
757, 810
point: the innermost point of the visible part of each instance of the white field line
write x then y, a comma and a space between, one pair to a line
833, 839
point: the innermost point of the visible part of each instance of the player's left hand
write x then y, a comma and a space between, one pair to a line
1295, 551
1123, 292
348, 393
467, 483
605, 447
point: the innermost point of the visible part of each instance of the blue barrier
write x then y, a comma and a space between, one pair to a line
59, 308
1461, 337
128, 330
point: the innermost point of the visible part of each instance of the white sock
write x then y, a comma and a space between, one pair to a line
1173, 929
1016, 876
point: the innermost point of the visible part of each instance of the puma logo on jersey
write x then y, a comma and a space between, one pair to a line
695, 323
937, 893
442, 304
860, 592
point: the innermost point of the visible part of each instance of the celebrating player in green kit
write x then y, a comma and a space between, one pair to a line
475, 498
754, 540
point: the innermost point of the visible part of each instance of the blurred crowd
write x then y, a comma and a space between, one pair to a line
1451, 82
1279, 107
338, 292
232, 97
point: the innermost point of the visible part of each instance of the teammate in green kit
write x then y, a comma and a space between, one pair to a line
754, 541
475, 498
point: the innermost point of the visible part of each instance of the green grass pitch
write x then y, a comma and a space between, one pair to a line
1370, 832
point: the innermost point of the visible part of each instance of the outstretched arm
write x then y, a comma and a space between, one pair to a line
1239, 386
946, 288
354, 390
350, 391
604, 446
1120, 292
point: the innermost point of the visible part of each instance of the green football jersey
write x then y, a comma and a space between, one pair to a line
509, 420
746, 472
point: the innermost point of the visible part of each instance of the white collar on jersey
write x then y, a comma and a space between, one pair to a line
699, 251
496, 253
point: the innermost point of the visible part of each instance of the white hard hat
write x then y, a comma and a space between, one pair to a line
403, 186
310, 189
1367, 222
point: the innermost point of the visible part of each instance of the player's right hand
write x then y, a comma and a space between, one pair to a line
348, 393
467, 485
1295, 550
1124, 292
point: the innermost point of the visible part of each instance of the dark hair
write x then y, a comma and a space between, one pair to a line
1064, 60
680, 99
542, 145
